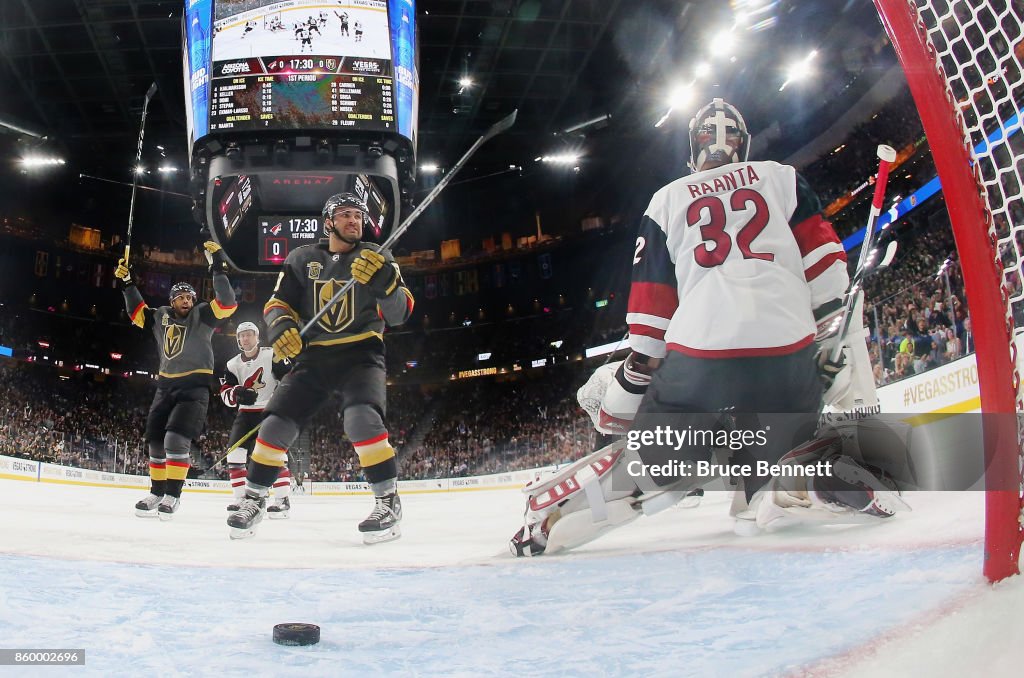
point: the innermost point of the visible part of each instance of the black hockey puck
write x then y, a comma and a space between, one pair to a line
296, 634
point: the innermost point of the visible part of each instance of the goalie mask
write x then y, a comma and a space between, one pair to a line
247, 327
718, 136
342, 201
181, 288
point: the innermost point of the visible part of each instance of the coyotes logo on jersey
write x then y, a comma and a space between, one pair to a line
254, 380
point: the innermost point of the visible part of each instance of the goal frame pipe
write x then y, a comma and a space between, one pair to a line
986, 299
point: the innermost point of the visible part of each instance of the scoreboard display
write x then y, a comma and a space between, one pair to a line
279, 234
300, 64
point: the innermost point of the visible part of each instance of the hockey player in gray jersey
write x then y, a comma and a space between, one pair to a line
342, 353
183, 332
250, 379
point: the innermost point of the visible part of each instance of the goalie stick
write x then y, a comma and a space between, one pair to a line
150, 93
865, 262
496, 129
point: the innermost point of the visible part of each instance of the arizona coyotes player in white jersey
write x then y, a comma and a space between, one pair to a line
250, 379
734, 266
259, 373
734, 261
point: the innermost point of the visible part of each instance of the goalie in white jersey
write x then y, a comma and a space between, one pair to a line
734, 272
250, 378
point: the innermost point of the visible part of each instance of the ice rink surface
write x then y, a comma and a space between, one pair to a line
673, 595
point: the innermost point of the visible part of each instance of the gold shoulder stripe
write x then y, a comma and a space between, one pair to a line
221, 311
274, 302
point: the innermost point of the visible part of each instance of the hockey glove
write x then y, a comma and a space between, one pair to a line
371, 269
829, 369
246, 396
123, 273
215, 257
285, 338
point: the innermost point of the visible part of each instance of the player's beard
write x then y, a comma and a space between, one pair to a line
343, 238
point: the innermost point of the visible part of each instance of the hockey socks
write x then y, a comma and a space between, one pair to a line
237, 473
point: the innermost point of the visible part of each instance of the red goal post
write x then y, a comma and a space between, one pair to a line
963, 65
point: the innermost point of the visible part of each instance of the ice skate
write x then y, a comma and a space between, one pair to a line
279, 509
383, 522
146, 507
234, 506
243, 522
167, 507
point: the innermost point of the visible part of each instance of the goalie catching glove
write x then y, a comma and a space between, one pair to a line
372, 269
612, 395
284, 337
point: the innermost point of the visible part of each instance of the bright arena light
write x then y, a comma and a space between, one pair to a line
139, 169
799, 70
680, 97
561, 159
41, 161
167, 169
429, 168
702, 70
723, 41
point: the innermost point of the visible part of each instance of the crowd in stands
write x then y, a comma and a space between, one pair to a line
98, 425
917, 319
896, 124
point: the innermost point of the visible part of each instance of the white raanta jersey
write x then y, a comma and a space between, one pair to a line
733, 262
258, 374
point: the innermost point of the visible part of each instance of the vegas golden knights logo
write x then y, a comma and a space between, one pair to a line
174, 340
340, 315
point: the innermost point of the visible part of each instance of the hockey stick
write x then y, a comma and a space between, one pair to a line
238, 443
865, 263
135, 170
496, 129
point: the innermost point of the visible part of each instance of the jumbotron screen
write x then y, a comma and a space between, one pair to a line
301, 64
279, 234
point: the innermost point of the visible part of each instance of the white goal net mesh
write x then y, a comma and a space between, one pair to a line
978, 44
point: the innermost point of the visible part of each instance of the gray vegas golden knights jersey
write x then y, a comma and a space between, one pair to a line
312, 275
184, 344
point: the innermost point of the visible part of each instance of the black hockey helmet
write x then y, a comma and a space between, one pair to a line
718, 134
340, 201
178, 289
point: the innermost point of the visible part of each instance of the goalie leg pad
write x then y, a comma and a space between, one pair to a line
585, 500
581, 527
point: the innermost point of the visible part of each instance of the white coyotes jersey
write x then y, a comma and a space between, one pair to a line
257, 374
727, 266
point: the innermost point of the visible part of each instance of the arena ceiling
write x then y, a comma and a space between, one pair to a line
75, 72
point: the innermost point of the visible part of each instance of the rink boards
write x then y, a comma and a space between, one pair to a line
947, 390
